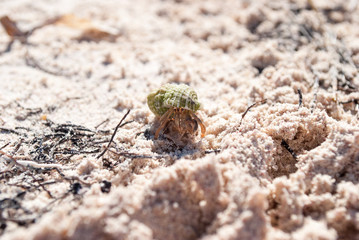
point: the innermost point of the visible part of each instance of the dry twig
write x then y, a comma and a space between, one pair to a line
32, 62
300, 98
114, 133
251, 106
28, 163
134, 155
289, 149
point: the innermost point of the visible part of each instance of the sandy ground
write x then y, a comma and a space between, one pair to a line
287, 169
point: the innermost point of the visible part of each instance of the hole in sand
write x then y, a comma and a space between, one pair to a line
309, 135
263, 60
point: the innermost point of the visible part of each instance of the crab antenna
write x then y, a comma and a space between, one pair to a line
199, 121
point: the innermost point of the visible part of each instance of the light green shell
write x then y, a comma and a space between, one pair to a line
173, 96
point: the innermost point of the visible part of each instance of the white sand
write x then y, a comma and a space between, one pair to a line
239, 181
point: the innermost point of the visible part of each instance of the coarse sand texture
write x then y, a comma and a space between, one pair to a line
277, 90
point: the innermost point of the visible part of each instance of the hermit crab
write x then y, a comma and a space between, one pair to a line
176, 105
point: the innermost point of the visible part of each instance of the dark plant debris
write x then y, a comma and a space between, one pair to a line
30, 161
300, 98
289, 149
120, 124
251, 106
105, 186
75, 188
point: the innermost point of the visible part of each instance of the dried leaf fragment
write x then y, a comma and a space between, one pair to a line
70, 20
90, 32
11, 28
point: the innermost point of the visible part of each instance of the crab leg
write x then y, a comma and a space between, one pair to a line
199, 121
163, 120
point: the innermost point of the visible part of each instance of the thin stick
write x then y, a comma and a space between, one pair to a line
133, 155
71, 179
31, 62
7, 130
300, 98
38, 165
212, 151
7, 155
105, 121
289, 149
251, 106
41, 185
4, 146
316, 89
26, 163
114, 133
8, 47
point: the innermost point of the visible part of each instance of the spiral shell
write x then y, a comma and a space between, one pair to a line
173, 96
